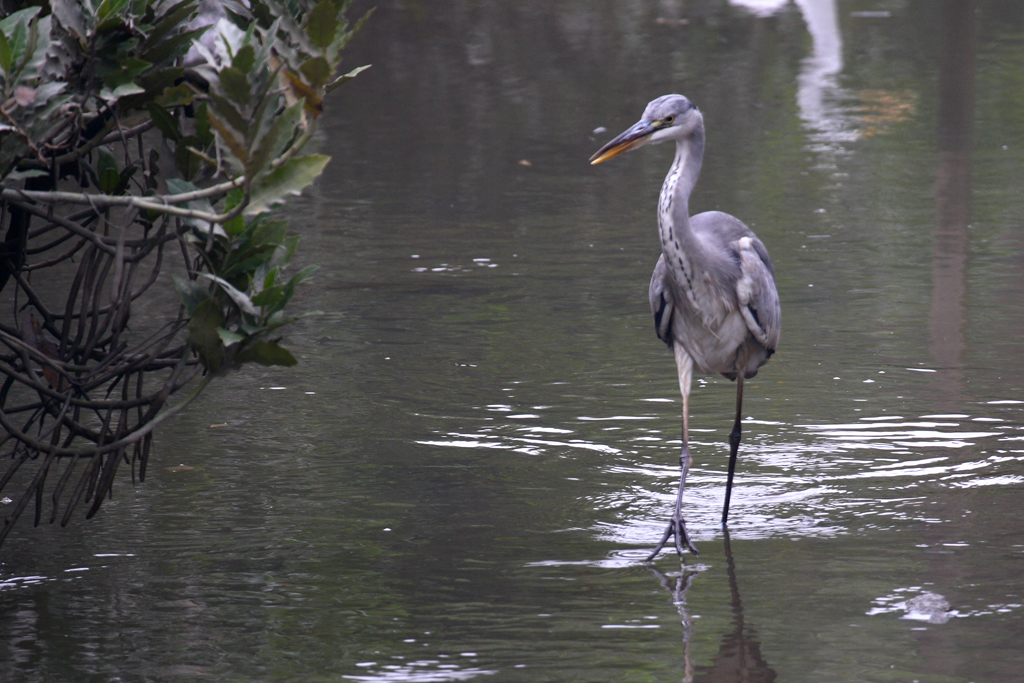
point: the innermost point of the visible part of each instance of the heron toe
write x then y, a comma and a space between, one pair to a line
676, 529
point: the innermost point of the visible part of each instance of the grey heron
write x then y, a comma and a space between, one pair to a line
713, 290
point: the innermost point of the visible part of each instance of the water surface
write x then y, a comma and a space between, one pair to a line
461, 478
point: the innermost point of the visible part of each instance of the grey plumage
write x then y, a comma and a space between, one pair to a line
712, 292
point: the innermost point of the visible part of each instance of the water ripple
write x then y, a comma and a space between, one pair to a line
930, 607
794, 479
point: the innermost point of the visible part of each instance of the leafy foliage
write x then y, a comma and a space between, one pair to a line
235, 99
240, 302
93, 93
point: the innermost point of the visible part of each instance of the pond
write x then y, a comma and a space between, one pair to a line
462, 477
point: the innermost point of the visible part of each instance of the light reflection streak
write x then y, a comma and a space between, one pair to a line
795, 480
14, 582
886, 425
931, 607
959, 436
410, 673
545, 430
475, 441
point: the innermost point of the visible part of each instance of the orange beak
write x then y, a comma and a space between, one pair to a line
637, 135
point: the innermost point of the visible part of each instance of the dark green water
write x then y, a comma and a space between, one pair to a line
479, 446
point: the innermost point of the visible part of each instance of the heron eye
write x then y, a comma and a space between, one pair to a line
670, 118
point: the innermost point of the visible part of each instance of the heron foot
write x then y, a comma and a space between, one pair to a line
676, 530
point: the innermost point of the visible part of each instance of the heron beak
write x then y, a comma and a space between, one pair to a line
639, 134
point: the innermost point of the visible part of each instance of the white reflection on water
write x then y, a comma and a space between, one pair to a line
831, 479
16, 582
415, 672
929, 606
794, 480
613, 562
511, 442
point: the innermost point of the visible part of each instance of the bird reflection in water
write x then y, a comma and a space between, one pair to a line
739, 656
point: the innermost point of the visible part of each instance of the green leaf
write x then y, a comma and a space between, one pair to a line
121, 91
69, 14
273, 143
126, 72
256, 245
346, 77
176, 96
6, 57
241, 265
267, 103
19, 45
21, 17
203, 336
192, 292
227, 135
296, 36
313, 97
156, 80
228, 337
178, 186
282, 255
270, 296
285, 251
175, 46
316, 70
125, 178
267, 353
287, 291
233, 198
303, 275
107, 175
270, 233
170, 19
270, 278
289, 178
110, 7
28, 37
322, 24
236, 225
46, 92
165, 121
235, 84
345, 37
29, 173
222, 107
203, 125
244, 59
239, 297
108, 25
188, 163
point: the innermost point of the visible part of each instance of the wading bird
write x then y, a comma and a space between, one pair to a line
713, 290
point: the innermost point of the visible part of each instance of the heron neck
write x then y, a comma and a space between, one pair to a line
677, 240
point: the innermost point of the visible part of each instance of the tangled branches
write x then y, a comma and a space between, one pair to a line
138, 137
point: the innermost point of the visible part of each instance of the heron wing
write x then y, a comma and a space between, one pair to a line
662, 304
756, 293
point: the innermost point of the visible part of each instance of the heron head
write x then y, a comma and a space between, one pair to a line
670, 117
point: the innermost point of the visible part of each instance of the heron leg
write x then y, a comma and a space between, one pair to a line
676, 526
734, 446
